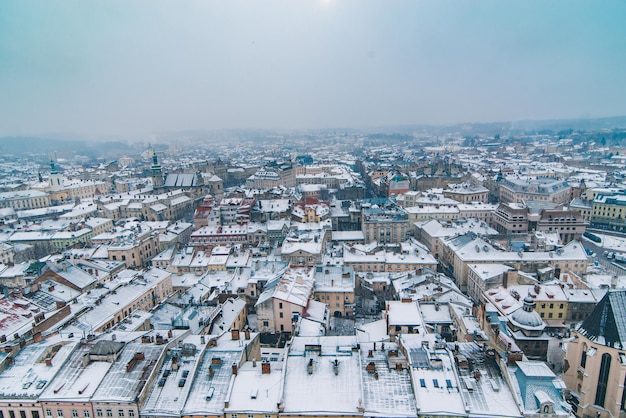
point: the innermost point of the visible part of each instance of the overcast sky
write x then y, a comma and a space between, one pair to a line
151, 66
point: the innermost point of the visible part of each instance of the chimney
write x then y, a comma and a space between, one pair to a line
266, 368
211, 372
169, 334
202, 340
235, 369
234, 334
374, 346
246, 334
48, 362
309, 367
505, 279
254, 362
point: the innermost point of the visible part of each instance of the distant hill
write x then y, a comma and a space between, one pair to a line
515, 127
38, 145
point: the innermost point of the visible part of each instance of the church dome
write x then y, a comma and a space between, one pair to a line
526, 317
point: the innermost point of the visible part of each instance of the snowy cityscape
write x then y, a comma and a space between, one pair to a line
446, 275
312, 208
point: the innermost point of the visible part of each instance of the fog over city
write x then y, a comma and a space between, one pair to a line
128, 68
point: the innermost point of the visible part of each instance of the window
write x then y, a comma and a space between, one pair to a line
48, 412
22, 414
131, 412
109, 413
266, 323
120, 413
74, 413
86, 413
59, 413
35, 414
280, 314
603, 378
280, 305
583, 357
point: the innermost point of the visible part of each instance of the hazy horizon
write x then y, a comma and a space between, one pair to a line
116, 67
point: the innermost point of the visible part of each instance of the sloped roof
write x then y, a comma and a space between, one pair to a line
105, 348
181, 180
606, 325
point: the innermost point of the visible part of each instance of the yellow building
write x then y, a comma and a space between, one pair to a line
609, 211
334, 286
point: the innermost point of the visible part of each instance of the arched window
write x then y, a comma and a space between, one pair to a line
603, 378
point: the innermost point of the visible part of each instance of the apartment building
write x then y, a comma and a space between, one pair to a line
511, 218
460, 252
125, 386
134, 249
570, 224
28, 373
608, 212
466, 193
102, 308
284, 300
25, 199
334, 286
385, 224
520, 189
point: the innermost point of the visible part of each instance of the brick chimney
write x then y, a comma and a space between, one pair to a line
235, 369
266, 368
234, 334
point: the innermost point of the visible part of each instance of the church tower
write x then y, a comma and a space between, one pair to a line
55, 181
157, 171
